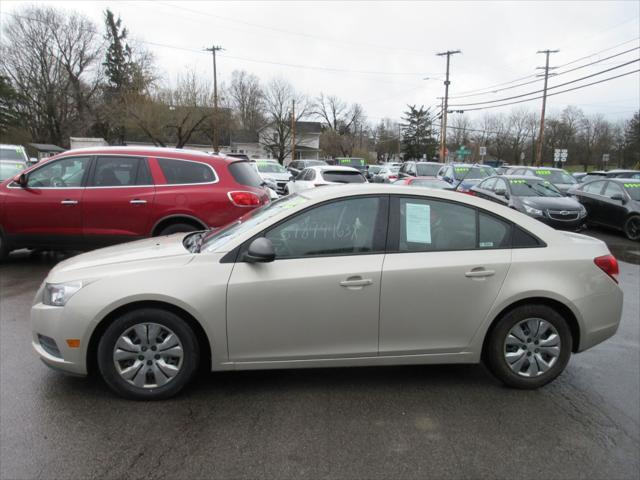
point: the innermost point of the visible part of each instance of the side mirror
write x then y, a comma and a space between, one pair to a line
260, 251
21, 180
620, 197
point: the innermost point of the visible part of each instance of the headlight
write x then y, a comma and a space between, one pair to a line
58, 294
532, 211
583, 211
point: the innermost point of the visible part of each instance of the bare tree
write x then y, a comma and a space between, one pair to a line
51, 59
279, 98
247, 99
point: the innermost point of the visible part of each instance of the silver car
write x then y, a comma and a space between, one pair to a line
335, 276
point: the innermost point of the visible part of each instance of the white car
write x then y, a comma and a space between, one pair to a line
13, 160
312, 177
387, 174
274, 174
333, 277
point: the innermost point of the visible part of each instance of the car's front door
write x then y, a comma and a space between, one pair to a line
320, 297
445, 267
613, 211
118, 201
47, 210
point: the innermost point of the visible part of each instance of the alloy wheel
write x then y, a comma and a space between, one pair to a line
632, 228
532, 347
148, 355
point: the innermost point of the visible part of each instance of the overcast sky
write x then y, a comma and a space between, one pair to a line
377, 53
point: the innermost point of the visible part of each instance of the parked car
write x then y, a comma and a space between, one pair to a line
387, 174
463, 176
296, 166
90, 197
429, 182
535, 197
13, 160
619, 173
613, 203
587, 177
271, 170
559, 177
371, 171
419, 169
298, 283
312, 177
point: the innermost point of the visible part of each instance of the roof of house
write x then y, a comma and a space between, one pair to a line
303, 127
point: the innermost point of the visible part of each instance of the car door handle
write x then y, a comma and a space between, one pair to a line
356, 282
479, 273
69, 202
136, 201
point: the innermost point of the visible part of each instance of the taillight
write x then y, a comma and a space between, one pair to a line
244, 199
609, 265
392, 177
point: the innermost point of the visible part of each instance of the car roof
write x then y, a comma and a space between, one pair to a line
624, 180
8, 146
519, 177
151, 152
322, 168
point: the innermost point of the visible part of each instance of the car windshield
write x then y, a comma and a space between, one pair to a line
439, 184
533, 188
12, 154
270, 167
633, 189
374, 169
427, 170
214, 239
314, 163
472, 173
556, 176
11, 169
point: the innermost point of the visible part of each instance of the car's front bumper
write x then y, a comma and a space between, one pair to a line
49, 324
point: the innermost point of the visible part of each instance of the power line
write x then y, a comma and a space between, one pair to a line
556, 74
554, 93
498, 100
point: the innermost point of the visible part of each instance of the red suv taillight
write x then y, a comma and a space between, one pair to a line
244, 199
609, 265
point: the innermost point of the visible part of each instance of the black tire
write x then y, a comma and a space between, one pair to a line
107, 343
4, 248
632, 227
494, 354
178, 228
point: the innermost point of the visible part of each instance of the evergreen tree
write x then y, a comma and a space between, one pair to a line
417, 133
9, 99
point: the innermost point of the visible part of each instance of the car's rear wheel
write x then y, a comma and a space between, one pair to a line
529, 347
632, 227
178, 228
148, 354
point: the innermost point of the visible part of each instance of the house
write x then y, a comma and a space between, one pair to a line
44, 150
252, 144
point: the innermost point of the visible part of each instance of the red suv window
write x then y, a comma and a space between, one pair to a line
180, 172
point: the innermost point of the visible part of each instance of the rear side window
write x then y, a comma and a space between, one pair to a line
178, 172
343, 177
245, 174
493, 232
593, 187
522, 239
115, 172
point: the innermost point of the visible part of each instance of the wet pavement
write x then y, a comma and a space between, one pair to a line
397, 422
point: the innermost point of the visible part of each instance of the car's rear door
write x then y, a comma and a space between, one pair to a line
320, 297
118, 200
47, 211
590, 195
444, 269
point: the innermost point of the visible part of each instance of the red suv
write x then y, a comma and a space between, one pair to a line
104, 195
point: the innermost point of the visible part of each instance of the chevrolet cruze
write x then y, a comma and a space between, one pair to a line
336, 276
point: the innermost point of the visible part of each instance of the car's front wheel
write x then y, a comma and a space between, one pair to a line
148, 354
529, 347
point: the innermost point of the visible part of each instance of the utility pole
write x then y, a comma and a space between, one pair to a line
443, 137
213, 49
544, 105
293, 130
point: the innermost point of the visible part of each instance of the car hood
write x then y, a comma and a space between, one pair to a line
277, 176
553, 203
123, 256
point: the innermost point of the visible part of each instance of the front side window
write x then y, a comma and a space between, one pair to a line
179, 172
345, 227
613, 189
433, 225
65, 173
115, 171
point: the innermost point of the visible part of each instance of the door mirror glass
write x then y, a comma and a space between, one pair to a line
260, 251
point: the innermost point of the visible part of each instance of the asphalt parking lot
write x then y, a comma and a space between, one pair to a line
397, 422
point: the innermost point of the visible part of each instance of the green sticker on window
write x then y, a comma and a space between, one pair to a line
632, 185
517, 181
543, 172
461, 169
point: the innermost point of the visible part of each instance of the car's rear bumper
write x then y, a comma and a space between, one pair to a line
601, 316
